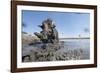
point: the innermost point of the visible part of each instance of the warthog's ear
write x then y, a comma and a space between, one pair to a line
53, 26
41, 26
35, 33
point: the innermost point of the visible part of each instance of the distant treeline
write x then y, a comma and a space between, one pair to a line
75, 38
24, 32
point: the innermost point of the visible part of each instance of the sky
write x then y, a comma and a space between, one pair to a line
68, 24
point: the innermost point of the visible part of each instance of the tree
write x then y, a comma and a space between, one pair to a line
24, 25
86, 30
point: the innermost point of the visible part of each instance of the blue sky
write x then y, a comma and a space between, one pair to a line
68, 24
